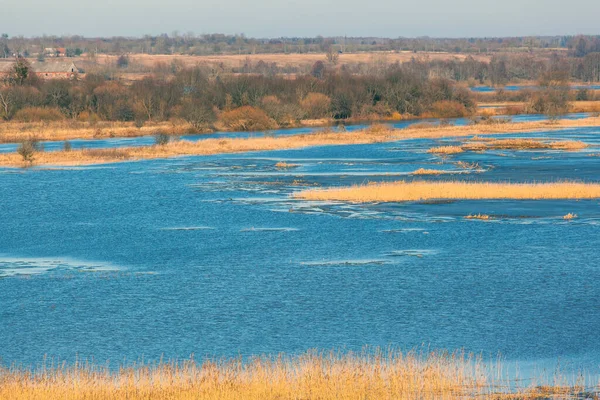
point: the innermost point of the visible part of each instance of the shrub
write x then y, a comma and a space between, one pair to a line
448, 109
318, 70
514, 110
162, 139
378, 129
316, 105
36, 114
582, 95
28, 148
284, 114
247, 118
376, 111
199, 115
341, 105
123, 61
83, 116
123, 111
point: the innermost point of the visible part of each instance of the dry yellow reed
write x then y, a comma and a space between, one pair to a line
423, 190
313, 375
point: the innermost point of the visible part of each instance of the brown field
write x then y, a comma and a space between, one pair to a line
377, 375
281, 59
423, 190
325, 138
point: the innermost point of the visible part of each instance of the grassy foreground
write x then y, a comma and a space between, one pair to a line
369, 375
374, 134
423, 190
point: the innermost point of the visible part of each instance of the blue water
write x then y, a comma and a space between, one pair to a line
211, 256
515, 88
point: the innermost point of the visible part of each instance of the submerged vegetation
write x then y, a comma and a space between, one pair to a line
366, 375
455, 190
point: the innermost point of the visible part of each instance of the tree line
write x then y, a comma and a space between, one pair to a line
235, 101
206, 44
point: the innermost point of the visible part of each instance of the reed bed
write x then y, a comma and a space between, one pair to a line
285, 165
484, 144
523, 144
313, 375
446, 150
425, 171
324, 138
423, 190
483, 217
14, 132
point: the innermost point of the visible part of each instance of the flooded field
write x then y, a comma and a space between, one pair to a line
212, 256
150, 140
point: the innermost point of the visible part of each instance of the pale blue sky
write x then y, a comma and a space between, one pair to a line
272, 18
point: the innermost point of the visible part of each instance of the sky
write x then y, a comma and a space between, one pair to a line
301, 18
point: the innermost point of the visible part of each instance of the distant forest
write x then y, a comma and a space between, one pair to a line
210, 44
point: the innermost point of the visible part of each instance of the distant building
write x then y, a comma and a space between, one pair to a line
45, 70
55, 70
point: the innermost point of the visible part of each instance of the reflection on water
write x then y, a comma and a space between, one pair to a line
240, 267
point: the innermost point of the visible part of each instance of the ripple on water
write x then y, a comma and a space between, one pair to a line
345, 263
402, 230
13, 266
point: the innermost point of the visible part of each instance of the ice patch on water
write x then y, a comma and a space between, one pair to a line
345, 263
253, 229
12, 266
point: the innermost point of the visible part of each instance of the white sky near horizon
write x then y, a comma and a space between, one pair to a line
302, 18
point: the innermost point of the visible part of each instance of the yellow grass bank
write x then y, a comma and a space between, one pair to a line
375, 134
423, 190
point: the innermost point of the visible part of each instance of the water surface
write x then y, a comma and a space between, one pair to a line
212, 256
